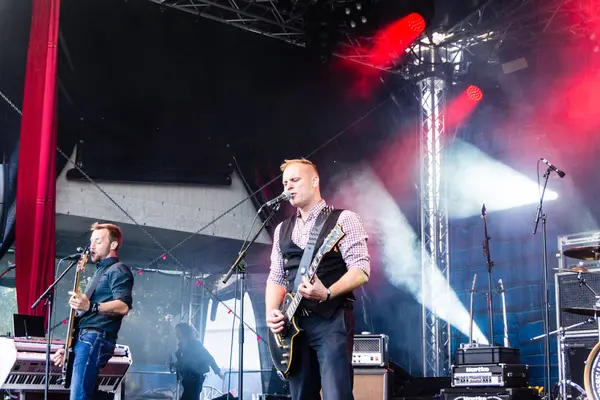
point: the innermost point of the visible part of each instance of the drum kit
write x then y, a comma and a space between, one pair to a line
591, 377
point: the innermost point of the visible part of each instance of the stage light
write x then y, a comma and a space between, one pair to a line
473, 177
416, 23
474, 93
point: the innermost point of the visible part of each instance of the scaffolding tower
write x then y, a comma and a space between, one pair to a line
434, 223
435, 70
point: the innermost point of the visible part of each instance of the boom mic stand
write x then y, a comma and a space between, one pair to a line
541, 215
239, 267
49, 295
9, 268
490, 263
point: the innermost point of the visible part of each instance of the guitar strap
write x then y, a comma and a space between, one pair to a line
309, 250
91, 287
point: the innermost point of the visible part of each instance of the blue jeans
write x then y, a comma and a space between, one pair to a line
323, 357
92, 352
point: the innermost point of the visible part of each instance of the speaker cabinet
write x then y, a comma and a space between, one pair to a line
372, 384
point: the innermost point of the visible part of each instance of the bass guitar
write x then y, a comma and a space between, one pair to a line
281, 345
67, 369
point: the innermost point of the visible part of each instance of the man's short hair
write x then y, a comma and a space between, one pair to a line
304, 161
114, 232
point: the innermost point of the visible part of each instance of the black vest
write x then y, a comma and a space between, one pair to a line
331, 268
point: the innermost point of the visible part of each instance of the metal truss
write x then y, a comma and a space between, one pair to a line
285, 20
518, 23
434, 225
501, 22
193, 301
267, 18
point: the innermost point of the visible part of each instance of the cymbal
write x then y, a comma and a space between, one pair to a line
582, 310
588, 253
573, 269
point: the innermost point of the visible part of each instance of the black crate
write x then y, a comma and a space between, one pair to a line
490, 393
488, 355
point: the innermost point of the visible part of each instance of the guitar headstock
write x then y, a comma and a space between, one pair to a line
83, 260
336, 234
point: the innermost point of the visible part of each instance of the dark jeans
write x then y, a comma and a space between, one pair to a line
322, 357
192, 386
92, 352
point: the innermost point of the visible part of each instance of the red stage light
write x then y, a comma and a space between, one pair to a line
415, 22
474, 93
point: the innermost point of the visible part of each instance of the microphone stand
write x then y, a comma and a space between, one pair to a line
541, 215
48, 295
239, 267
490, 263
10, 267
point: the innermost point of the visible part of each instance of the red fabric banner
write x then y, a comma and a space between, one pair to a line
36, 176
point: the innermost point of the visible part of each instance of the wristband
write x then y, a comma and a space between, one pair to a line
328, 296
95, 308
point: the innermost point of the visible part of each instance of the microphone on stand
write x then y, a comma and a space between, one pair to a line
553, 167
75, 256
285, 196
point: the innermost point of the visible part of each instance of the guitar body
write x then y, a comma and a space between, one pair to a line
281, 345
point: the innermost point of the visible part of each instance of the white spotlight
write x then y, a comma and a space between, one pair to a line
472, 176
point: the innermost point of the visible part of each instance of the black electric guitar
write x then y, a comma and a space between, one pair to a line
281, 345
67, 369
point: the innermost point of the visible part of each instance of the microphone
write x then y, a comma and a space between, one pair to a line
553, 167
75, 256
285, 196
483, 210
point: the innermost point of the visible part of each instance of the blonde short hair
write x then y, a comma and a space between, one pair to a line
114, 232
304, 161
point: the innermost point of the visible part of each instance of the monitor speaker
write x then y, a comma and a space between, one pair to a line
372, 384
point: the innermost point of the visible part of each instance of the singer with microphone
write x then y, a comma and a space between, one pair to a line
100, 309
323, 350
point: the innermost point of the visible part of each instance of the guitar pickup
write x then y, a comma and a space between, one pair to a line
284, 362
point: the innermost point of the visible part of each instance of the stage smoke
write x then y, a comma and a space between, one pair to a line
400, 247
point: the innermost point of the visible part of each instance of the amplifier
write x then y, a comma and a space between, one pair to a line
370, 350
505, 375
490, 394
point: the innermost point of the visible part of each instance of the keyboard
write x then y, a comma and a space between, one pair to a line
23, 365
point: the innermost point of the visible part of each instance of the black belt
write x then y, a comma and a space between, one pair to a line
105, 334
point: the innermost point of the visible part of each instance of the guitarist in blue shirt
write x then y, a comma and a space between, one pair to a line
322, 353
107, 299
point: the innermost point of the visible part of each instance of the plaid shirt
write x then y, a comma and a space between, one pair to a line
353, 245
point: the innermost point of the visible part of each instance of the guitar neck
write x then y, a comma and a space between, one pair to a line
71, 325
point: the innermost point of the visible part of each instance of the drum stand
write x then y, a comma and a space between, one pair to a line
563, 381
